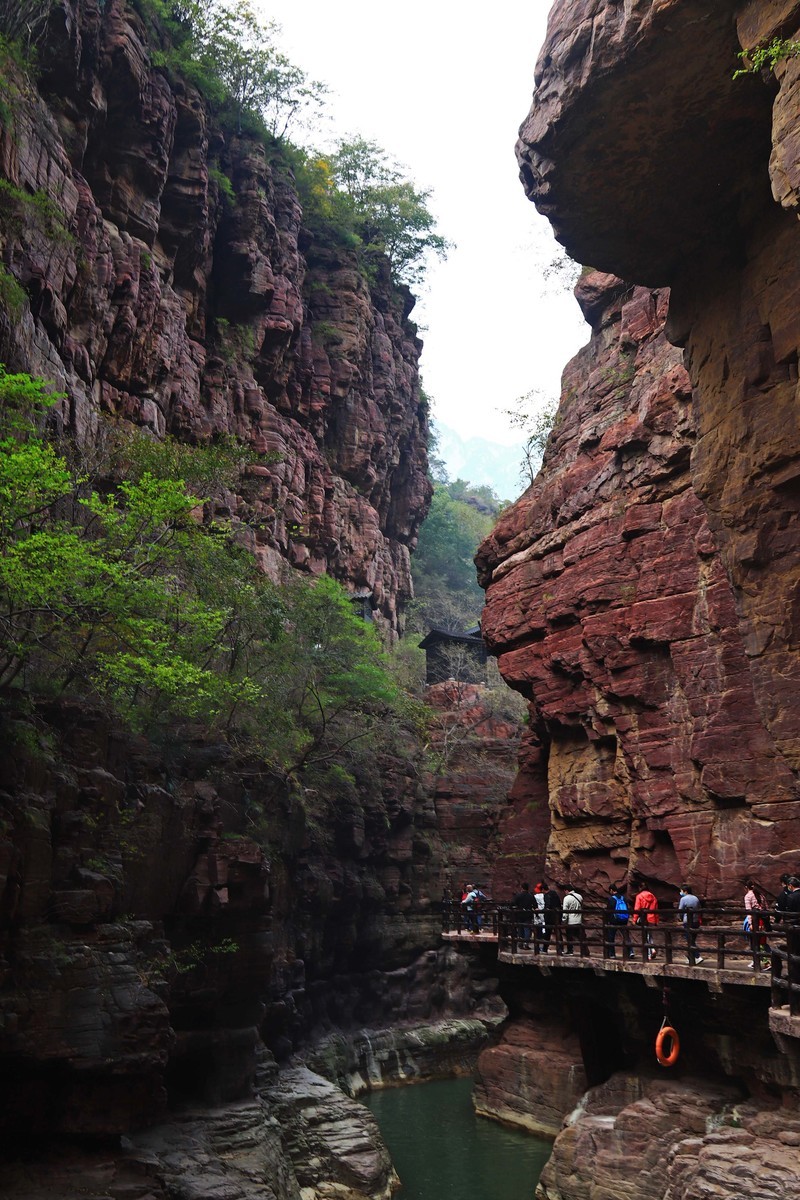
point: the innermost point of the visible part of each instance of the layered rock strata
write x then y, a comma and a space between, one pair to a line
532, 1077
475, 735
167, 911
171, 283
611, 610
658, 638
650, 1139
375, 1058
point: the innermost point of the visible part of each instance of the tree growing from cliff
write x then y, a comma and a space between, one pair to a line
116, 588
329, 675
535, 416
391, 214
232, 54
259, 78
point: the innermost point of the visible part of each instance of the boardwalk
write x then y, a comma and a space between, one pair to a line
726, 955
733, 973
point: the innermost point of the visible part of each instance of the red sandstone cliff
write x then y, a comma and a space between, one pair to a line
192, 306
643, 592
168, 911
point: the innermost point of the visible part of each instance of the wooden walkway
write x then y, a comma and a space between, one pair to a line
734, 972
729, 955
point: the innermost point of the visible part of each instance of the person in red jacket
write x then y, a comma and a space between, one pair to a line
645, 912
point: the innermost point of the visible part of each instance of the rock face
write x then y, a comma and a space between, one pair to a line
169, 913
652, 1140
172, 284
376, 1058
611, 610
532, 1077
476, 735
334, 1142
669, 1142
642, 592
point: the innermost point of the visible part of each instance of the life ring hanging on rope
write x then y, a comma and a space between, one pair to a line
667, 1034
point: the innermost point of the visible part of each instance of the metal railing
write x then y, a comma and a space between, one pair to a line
786, 987
718, 941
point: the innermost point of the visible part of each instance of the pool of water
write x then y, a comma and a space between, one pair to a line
443, 1151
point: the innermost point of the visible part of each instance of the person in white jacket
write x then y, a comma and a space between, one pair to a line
572, 908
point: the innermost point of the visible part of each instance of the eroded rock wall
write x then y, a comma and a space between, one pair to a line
171, 915
174, 285
650, 1139
642, 592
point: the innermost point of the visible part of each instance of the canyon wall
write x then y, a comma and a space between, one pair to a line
642, 593
176, 920
172, 282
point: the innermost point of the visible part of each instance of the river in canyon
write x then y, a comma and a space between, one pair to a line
443, 1151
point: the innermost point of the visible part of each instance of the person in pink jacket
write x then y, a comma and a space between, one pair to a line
757, 918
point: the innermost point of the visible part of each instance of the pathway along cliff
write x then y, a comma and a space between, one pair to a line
198, 950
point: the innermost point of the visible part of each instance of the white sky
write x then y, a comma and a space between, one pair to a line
443, 86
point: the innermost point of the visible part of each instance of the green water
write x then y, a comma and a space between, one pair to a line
443, 1151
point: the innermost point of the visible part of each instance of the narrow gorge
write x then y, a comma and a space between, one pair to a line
215, 937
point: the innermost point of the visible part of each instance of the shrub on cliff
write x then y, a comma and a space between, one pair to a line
358, 198
766, 57
118, 591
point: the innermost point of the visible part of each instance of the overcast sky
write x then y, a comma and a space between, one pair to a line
443, 86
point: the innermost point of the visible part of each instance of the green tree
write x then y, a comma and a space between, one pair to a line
258, 77
445, 582
328, 676
120, 591
233, 55
393, 216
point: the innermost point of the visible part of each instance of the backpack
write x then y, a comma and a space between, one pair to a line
620, 909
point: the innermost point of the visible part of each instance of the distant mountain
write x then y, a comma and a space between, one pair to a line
481, 462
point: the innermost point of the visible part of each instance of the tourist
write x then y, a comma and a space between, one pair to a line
783, 897
472, 907
645, 913
523, 916
552, 914
538, 917
791, 925
687, 910
572, 907
756, 920
617, 915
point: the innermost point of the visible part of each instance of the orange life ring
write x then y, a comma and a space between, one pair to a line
667, 1033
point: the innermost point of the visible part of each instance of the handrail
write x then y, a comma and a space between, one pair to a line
719, 939
786, 989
